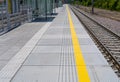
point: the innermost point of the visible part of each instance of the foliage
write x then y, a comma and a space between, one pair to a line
105, 4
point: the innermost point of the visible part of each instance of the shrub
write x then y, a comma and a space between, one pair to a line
105, 4
118, 6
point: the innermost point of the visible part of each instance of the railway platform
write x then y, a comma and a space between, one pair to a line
54, 51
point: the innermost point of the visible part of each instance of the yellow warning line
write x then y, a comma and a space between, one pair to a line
80, 63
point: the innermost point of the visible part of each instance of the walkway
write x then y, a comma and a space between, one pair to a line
61, 51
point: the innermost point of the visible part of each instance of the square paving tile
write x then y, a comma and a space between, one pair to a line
67, 41
86, 41
67, 49
37, 74
47, 49
102, 74
54, 31
52, 36
80, 31
46, 42
3, 63
89, 49
43, 59
83, 36
95, 59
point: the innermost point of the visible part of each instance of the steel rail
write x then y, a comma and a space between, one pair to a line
107, 52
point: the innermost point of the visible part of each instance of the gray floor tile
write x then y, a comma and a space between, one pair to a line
95, 59
47, 49
102, 74
37, 74
86, 41
89, 49
59, 36
48, 42
43, 59
3, 63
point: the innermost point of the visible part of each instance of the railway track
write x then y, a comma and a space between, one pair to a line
107, 41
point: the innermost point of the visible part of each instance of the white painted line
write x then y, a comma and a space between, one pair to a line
8, 72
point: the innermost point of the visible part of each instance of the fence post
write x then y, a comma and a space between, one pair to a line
8, 17
46, 9
2, 15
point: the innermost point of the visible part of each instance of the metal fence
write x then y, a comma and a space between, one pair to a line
15, 12
11, 19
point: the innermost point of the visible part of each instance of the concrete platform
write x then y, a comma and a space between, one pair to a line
13, 41
49, 55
